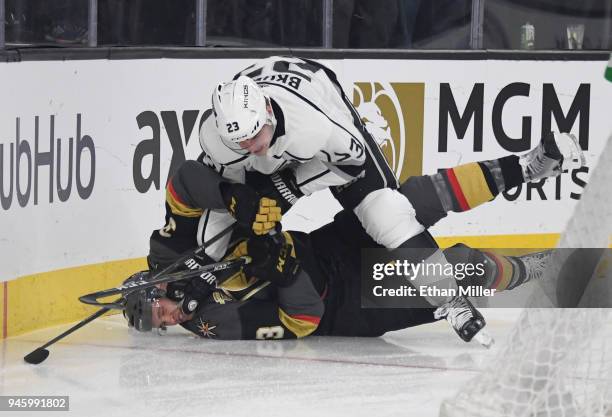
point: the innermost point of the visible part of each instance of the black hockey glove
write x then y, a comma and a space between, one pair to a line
182, 292
280, 186
273, 260
197, 290
190, 292
176, 290
249, 208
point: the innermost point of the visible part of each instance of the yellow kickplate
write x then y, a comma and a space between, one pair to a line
51, 298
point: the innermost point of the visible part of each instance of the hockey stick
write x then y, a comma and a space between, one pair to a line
40, 354
130, 287
161, 278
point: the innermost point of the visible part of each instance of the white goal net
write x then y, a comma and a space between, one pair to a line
557, 362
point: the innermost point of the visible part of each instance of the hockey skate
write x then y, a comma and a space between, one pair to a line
555, 153
464, 319
535, 264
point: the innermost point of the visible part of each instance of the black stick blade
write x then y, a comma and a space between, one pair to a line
36, 356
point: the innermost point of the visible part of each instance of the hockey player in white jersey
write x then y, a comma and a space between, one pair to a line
286, 112
289, 118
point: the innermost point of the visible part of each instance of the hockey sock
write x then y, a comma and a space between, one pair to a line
503, 174
508, 272
504, 272
465, 186
470, 185
500, 272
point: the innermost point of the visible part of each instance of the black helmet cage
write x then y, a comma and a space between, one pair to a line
138, 309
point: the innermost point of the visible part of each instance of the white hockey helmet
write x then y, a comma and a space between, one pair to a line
240, 111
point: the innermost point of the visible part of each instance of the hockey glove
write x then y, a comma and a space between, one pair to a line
197, 290
189, 292
260, 214
280, 186
273, 260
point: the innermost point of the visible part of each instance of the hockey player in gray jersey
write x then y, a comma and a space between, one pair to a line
317, 291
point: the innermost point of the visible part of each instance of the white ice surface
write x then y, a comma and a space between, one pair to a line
110, 371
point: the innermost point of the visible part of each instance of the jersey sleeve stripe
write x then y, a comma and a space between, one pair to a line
313, 319
297, 326
473, 184
306, 181
177, 206
452, 179
299, 158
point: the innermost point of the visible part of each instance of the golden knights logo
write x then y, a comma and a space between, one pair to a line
206, 329
393, 113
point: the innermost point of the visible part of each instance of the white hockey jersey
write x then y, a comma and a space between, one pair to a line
315, 135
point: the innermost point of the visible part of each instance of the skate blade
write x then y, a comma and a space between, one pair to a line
568, 145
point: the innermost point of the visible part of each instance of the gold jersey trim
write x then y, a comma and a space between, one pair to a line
301, 328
